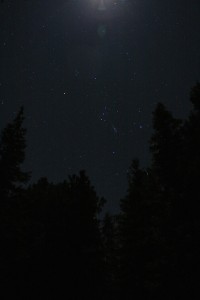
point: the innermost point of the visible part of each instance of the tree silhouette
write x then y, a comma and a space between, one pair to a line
191, 195
175, 147
12, 155
166, 146
66, 250
85, 236
141, 243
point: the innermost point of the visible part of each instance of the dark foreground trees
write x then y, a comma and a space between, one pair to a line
159, 221
177, 166
141, 242
53, 246
12, 155
12, 177
66, 242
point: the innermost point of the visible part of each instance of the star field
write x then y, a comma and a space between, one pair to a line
89, 74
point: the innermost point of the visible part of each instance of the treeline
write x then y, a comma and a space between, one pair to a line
54, 246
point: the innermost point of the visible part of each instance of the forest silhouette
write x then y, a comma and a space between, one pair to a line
54, 245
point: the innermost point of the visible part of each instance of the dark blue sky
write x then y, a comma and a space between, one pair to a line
89, 74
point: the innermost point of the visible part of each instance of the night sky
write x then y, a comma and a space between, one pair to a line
89, 74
